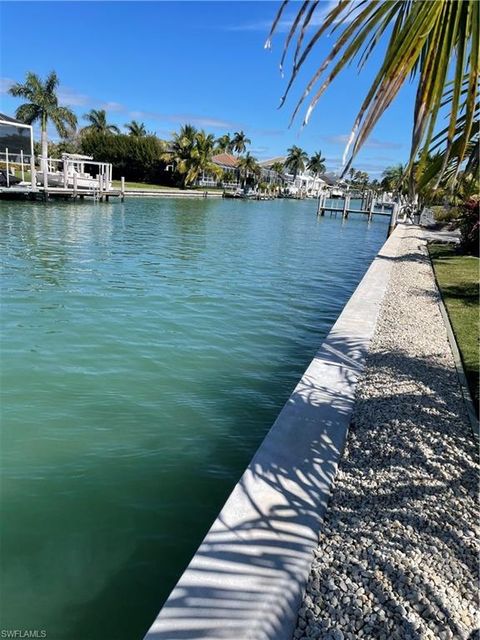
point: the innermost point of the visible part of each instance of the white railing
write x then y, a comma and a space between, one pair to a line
25, 162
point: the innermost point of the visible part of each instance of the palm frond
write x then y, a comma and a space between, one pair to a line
28, 113
435, 43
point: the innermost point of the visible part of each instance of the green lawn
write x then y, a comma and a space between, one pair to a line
458, 279
141, 185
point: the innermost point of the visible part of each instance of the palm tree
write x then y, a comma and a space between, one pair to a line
393, 178
240, 141
278, 167
224, 143
248, 166
98, 122
136, 129
316, 164
296, 160
42, 106
200, 160
427, 42
191, 151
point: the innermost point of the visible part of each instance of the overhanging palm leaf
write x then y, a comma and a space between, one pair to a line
424, 40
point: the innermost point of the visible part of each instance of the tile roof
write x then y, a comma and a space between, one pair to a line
225, 160
269, 163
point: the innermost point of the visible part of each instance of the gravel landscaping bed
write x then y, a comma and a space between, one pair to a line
398, 551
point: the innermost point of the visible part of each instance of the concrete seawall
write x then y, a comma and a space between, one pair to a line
248, 576
171, 193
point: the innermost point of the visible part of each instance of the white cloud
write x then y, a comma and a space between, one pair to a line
287, 21
72, 98
112, 106
183, 118
370, 143
5, 84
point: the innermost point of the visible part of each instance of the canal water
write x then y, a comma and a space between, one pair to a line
147, 347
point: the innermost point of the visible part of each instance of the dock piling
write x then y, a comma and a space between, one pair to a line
6, 166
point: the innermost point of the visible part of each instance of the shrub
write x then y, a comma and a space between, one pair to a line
444, 213
469, 226
136, 158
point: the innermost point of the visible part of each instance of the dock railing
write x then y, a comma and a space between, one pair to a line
25, 163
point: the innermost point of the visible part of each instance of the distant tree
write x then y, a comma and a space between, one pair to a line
393, 178
278, 167
42, 106
296, 160
98, 122
224, 144
191, 152
248, 167
240, 141
200, 160
137, 159
136, 129
316, 164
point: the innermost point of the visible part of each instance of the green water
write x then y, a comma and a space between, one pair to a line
146, 350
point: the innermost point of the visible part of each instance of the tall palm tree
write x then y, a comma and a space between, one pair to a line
224, 143
136, 129
240, 141
98, 122
42, 106
426, 41
316, 164
248, 166
296, 160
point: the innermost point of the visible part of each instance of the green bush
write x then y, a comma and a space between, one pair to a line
138, 159
469, 225
444, 214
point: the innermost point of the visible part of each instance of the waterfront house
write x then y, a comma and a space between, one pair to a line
231, 175
16, 146
303, 184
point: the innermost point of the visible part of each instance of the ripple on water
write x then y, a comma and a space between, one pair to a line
147, 348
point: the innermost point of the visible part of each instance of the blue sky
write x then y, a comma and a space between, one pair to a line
167, 63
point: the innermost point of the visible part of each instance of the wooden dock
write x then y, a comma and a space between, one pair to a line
370, 210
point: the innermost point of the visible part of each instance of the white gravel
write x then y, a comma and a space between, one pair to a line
398, 554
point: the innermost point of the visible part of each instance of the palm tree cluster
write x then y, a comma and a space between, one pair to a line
297, 161
190, 150
191, 153
232, 144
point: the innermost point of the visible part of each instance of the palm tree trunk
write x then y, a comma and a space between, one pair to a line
44, 156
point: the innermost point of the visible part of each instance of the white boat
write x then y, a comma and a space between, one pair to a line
72, 173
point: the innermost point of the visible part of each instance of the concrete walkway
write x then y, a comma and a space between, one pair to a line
397, 556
